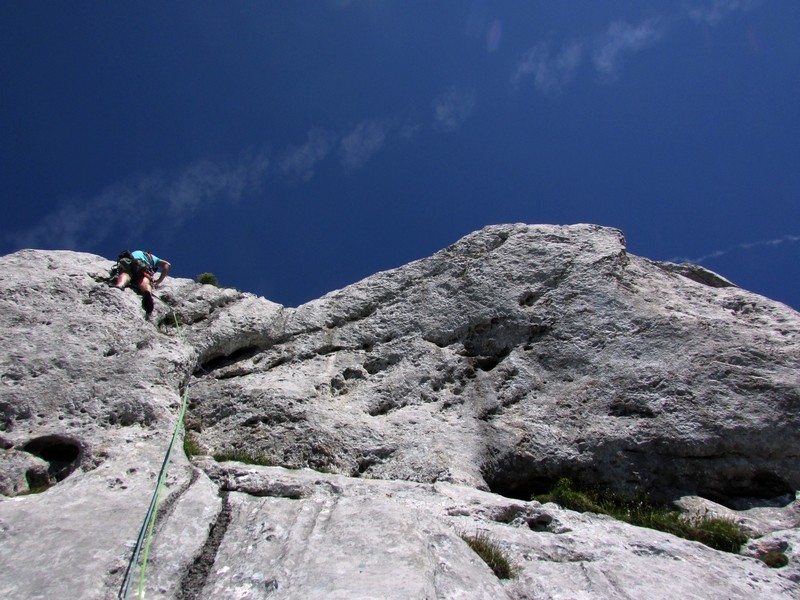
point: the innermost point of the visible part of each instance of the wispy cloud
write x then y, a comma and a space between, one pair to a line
84, 222
206, 182
453, 107
786, 239
299, 161
623, 39
553, 69
714, 12
358, 146
550, 71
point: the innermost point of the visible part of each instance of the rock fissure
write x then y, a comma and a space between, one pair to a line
167, 505
196, 576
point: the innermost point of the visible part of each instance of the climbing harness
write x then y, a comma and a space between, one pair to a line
146, 531
137, 268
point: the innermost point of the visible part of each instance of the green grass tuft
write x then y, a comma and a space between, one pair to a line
207, 279
243, 456
565, 495
720, 534
774, 559
191, 446
491, 553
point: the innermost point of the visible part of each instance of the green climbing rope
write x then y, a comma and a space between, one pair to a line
159, 489
146, 531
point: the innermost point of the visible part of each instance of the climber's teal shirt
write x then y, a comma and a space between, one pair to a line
142, 256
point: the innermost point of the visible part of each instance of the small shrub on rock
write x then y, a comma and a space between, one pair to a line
207, 279
774, 559
491, 553
717, 533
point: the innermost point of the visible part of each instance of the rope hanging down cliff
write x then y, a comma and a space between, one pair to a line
146, 531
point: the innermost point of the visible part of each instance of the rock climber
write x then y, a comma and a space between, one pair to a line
137, 268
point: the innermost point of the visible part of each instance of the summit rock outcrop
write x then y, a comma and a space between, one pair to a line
417, 405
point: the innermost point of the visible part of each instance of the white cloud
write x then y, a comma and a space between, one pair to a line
550, 72
453, 107
142, 202
620, 40
746, 246
358, 146
207, 181
299, 161
713, 12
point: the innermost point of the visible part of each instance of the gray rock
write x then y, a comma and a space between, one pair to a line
22, 472
784, 543
538, 352
411, 408
756, 517
356, 538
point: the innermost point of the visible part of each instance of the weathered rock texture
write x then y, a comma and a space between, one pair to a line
416, 405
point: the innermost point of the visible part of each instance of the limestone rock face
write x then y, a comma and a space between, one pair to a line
517, 356
406, 410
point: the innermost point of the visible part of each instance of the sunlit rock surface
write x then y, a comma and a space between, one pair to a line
412, 407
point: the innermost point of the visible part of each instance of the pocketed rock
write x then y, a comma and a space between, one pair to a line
537, 352
401, 413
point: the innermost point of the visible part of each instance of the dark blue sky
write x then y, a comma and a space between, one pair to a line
293, 148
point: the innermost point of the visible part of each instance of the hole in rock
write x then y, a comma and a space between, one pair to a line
350, 373
762, 489
769, 485
61, 452
382, 406
529, 298
376, 364
523, 488
329, 349
219, 362
540, 523
487, 363
514, 477
281, 360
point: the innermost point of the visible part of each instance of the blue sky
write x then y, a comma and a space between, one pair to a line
292, 148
